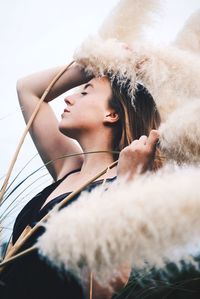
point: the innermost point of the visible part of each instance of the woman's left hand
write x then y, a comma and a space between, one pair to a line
137, 157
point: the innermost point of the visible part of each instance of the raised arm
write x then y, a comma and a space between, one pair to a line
49, 141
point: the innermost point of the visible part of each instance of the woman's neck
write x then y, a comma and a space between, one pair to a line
95, 162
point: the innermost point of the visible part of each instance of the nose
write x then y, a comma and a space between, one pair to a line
69, 100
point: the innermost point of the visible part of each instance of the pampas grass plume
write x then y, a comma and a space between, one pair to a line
138, 222
128, 18
180, 134
101, 57
171, 75
189, 37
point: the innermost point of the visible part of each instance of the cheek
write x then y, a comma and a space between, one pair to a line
89, 119
91, 112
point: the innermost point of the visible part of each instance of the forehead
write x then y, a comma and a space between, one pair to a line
100, 84
100, 80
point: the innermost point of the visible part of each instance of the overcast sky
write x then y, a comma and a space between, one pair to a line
38, 34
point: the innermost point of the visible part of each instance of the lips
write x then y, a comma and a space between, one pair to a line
65, 111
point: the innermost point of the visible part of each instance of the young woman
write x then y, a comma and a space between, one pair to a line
100, 116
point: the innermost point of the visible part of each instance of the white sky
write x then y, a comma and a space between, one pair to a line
39, 34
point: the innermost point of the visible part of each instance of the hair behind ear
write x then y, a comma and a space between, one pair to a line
137, 116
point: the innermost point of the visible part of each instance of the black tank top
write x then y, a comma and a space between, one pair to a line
32, 212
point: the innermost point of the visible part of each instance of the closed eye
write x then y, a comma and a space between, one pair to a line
83, 93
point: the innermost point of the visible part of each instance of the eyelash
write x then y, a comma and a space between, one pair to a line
83, 93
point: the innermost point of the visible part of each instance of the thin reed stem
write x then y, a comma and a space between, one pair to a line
18, 174
3, 215
19, 255
91, 286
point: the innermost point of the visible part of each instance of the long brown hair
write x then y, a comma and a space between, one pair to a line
138, 115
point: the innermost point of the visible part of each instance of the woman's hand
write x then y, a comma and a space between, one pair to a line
137, 157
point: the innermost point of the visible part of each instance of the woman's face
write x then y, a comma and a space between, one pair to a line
86, 110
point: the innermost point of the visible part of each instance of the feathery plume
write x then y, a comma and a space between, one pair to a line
107, 57
127, 20
189, 37
171, 75
149, 220
106, 53
180, 134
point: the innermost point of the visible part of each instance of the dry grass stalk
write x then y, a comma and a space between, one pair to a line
19, 255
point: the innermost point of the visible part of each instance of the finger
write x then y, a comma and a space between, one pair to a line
134, 142
153, 138
143, 139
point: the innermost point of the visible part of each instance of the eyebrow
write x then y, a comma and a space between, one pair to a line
88, 85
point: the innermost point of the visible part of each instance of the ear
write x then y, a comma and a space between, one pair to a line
111, 117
